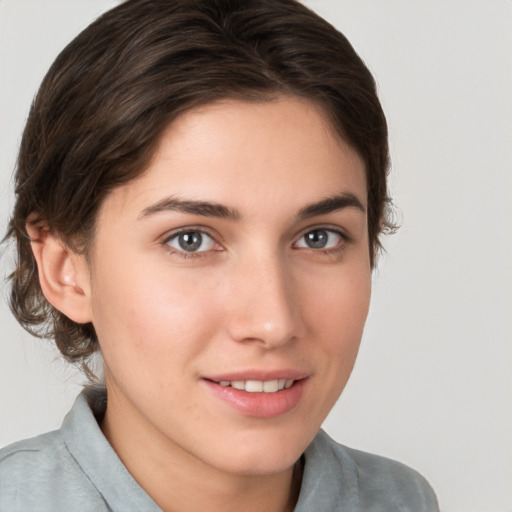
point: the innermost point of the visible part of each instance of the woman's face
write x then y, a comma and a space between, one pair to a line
230, 285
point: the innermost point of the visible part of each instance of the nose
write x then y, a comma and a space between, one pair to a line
264, 303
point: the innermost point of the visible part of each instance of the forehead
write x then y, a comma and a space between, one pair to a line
248, 155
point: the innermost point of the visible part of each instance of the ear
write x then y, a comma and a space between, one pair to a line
63, 274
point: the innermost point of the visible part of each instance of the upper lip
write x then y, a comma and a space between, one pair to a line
260, 375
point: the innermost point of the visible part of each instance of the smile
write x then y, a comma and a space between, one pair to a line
259, 386
259, 396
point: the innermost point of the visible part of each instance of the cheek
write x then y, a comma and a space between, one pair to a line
338, 314
335, 315
340, 308
147, 317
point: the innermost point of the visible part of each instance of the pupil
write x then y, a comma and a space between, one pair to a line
316, 239
190, 241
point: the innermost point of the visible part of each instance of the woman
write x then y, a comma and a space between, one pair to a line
201, 188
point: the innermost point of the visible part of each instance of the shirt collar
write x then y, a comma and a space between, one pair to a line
329, 483
97, 459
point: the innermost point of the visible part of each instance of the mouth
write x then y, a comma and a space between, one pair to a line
258, 395
258, 386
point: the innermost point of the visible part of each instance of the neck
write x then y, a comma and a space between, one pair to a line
178, 481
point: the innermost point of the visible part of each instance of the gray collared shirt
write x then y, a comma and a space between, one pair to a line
74, 469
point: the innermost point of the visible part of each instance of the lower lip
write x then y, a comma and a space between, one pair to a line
259, 405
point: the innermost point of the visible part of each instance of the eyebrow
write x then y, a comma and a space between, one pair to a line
212, 209
331, 204
203, 208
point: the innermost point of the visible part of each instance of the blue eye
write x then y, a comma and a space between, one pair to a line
191, 241
319, 239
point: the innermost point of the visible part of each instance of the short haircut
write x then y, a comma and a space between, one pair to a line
109, 95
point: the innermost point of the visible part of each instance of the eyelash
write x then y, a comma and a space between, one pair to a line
340, 246
189, 254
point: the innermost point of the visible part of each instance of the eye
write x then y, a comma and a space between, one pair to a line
320, 239
191, 241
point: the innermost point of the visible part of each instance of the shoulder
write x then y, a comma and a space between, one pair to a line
40, 447
40, 474
382, 484
32, 460
382, 478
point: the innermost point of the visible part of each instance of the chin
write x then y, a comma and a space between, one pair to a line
263, 453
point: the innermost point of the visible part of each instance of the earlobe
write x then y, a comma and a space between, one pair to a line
63, 274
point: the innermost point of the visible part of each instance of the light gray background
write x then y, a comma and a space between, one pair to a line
432, 386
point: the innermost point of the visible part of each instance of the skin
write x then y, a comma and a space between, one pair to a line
255, 296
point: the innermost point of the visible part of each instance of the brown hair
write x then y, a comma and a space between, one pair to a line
111, 92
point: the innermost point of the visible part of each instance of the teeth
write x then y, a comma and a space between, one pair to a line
270, 386
254, 386
259, 386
